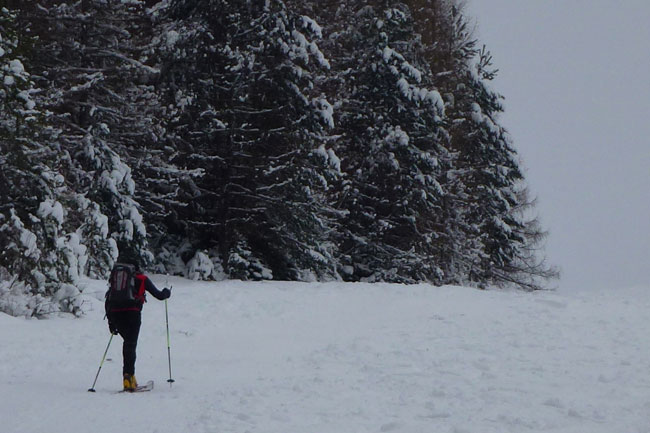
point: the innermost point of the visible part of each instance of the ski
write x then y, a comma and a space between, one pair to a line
140, 388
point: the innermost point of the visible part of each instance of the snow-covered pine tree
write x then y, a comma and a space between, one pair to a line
40, 258
447, 44
89, 71
243, 113
491, 239
499, 205
391, 143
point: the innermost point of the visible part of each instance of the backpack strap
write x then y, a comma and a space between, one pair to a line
140, 295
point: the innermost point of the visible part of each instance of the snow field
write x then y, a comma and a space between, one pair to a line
345, 358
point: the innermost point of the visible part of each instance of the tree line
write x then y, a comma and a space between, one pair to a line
254, 139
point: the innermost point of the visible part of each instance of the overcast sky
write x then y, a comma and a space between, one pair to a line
576, 78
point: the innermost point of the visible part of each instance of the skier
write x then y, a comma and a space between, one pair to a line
124, 315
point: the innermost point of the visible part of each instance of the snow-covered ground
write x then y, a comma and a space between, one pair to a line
339, 358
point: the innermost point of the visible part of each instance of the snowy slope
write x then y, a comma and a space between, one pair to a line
340, 358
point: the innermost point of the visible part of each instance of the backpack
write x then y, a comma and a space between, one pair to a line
122, 286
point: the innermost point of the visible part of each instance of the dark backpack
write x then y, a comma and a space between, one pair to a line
122, 286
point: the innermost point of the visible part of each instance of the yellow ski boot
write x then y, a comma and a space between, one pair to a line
130, 384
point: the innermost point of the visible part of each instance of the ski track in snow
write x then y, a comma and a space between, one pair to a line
339, 358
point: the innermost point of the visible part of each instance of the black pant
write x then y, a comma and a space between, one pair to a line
128, 326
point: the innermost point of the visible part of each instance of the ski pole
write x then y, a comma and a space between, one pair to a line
169, 353
92, 389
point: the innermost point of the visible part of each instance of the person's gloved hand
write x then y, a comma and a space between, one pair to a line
112, 328
166, 293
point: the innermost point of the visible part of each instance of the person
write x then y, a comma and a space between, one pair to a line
124, 318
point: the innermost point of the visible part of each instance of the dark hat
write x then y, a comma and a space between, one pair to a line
128, 256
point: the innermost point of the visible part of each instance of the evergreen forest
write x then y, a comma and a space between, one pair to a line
294, 140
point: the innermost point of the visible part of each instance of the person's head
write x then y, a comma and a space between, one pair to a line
129, 257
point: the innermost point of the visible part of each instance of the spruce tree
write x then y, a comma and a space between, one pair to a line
500, 206
244, 116
88, 70
391, 145
491, 239
41, 256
